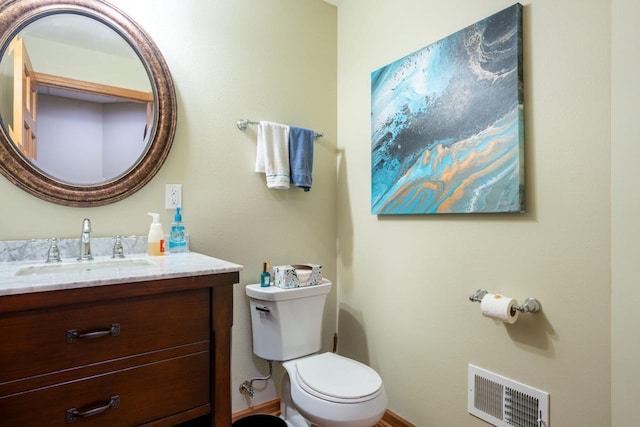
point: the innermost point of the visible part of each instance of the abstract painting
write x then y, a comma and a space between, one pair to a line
447, 124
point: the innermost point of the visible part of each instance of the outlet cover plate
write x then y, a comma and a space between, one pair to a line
173, 196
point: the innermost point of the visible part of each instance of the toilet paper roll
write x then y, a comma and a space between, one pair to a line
499, 307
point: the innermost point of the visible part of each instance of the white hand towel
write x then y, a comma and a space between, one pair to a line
272, 154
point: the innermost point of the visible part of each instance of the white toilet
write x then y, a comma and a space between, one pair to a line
324, 389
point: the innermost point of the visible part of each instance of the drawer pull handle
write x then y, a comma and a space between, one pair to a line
73, 414
73, 335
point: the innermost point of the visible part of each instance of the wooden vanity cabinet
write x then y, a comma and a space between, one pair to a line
151, 353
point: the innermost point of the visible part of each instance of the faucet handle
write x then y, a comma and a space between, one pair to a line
53, 254
118, 250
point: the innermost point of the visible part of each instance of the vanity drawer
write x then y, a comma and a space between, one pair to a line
144, 393
36, 342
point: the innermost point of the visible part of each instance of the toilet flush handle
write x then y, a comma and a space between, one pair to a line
264, 309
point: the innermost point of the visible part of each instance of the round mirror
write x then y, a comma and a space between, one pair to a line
87, 104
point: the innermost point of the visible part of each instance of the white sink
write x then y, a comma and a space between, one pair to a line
83, 266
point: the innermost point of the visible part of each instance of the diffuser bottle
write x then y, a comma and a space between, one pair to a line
265, 277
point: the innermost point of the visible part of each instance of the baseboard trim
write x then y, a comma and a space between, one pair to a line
272, 407
390, 419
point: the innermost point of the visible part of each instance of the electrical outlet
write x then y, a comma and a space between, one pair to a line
173, 196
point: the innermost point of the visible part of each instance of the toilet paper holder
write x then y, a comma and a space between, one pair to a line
530, 305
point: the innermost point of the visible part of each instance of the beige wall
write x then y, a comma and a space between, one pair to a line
625, 234
404, 282
261, 60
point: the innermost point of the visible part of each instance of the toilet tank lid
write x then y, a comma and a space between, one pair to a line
274, 293
337, 378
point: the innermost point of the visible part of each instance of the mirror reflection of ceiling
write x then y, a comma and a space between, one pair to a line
80, 31
80, 47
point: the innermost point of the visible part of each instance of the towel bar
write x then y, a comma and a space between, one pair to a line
530, 305
243, 123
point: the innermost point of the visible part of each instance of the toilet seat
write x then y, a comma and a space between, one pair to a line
335, 378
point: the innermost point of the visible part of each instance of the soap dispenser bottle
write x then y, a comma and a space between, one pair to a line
177, 237
155, 242
265, 277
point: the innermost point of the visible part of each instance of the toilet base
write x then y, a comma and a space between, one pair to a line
288, 412
297, 421
294, 418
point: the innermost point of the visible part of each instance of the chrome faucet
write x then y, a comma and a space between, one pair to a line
85, 241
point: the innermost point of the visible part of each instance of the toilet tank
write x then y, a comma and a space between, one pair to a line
287, 323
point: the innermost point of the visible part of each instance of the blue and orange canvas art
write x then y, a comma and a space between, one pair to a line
447, 124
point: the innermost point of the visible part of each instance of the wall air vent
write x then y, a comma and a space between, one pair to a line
504, 402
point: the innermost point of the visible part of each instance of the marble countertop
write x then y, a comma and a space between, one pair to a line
20, 277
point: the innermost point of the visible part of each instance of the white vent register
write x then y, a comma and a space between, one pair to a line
504, 402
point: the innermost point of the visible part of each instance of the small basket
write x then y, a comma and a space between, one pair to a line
297, 276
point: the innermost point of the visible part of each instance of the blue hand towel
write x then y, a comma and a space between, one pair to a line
301, 156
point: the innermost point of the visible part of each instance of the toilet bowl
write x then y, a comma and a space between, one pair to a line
330, 390
325, 389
